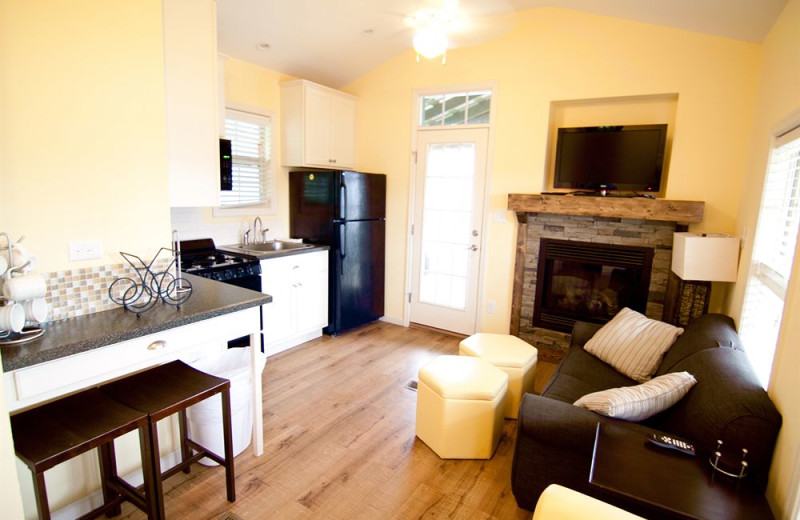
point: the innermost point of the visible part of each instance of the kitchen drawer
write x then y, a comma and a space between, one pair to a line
38, 383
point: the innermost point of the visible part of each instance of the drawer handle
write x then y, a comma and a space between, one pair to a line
157, 345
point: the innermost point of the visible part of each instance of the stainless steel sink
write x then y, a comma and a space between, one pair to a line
272, 245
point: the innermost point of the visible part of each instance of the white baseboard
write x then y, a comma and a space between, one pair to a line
393, 320
292, 342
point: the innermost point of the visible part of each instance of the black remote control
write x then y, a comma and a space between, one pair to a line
665, 441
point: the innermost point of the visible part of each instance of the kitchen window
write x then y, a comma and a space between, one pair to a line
773, 254
251, 136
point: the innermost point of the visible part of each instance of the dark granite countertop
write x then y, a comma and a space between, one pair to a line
266, 255
75, 335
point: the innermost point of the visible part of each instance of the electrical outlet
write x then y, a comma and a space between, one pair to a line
85, 250
491, 306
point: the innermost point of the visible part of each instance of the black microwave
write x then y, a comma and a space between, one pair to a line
225, 165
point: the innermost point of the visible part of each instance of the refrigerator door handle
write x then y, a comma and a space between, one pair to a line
342, 198
342, 246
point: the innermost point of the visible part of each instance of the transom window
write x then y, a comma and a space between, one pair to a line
455, 108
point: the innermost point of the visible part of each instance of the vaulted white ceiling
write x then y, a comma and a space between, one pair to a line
334, 42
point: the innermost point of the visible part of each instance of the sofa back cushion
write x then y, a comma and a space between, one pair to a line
706, 331
726, 404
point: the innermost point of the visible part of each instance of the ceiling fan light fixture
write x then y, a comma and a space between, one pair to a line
430, 42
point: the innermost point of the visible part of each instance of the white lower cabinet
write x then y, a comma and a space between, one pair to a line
298, 285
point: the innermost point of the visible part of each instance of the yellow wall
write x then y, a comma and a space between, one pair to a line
556, 54
83, 150
82, 147
778, 97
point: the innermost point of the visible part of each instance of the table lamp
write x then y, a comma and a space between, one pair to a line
697, 260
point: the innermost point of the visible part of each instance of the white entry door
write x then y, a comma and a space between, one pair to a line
447, 229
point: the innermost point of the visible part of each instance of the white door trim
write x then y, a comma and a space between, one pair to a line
415, 128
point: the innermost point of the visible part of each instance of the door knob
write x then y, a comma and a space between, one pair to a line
473, 247
474, 232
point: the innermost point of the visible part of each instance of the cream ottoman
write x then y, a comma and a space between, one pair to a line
510, 354
460, 403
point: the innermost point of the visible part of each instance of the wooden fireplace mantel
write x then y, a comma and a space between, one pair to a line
681, 211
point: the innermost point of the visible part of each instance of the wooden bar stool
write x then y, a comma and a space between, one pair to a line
168, 389
60, 430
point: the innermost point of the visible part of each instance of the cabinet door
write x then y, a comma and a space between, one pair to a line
190, 87
277, 279
343, 136
311, 292
318, 128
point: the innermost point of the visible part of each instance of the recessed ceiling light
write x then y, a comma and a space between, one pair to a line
263, 46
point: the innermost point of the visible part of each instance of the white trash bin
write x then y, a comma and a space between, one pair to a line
205, 417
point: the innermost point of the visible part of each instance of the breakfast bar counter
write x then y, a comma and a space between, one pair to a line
84, 333
85, 351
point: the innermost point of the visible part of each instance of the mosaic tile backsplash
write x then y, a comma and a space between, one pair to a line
83, 291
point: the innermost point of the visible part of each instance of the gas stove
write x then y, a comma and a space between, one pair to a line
202, 258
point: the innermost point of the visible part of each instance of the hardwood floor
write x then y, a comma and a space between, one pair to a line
339, 442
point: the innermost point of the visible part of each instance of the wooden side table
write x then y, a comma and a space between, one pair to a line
661, 483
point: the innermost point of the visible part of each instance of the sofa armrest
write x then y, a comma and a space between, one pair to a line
582, 332
556, 423
553, 446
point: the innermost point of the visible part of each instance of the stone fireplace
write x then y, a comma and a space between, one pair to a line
623, 230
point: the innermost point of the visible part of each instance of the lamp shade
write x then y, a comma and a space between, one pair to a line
710, 257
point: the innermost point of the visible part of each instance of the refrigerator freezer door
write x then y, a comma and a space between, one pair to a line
362, 196
312, 197
357, 275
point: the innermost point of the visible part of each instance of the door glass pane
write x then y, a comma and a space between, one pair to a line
478, 108
446, 224
455, 109
432, 110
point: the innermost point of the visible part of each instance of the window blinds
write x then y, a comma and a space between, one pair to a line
773, 253
251, 157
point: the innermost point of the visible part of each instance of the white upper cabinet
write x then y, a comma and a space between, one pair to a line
190, 82
318, 126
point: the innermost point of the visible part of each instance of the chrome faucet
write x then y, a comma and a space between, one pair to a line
260, 229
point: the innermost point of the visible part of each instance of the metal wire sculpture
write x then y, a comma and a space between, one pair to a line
141, 295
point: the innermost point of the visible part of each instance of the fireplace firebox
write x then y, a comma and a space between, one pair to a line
588, 281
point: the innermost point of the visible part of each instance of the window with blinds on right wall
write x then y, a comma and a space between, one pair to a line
773, 254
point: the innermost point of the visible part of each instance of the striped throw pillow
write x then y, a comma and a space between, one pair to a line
633, 344
637, 403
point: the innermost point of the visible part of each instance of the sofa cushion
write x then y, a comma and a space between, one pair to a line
580, 373
706, 331
636, 403
633, 344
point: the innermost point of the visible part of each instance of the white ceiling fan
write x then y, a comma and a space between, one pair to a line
445, 24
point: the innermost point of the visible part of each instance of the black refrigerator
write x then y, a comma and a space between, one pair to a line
345, 210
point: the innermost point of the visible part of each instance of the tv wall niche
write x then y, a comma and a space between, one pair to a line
612, 111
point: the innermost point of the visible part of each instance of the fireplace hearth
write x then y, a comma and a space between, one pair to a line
589, 281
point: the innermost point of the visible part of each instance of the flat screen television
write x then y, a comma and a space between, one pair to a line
625, 158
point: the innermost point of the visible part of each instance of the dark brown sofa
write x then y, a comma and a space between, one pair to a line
555, 439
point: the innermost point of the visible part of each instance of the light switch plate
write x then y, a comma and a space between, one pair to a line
85, 250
